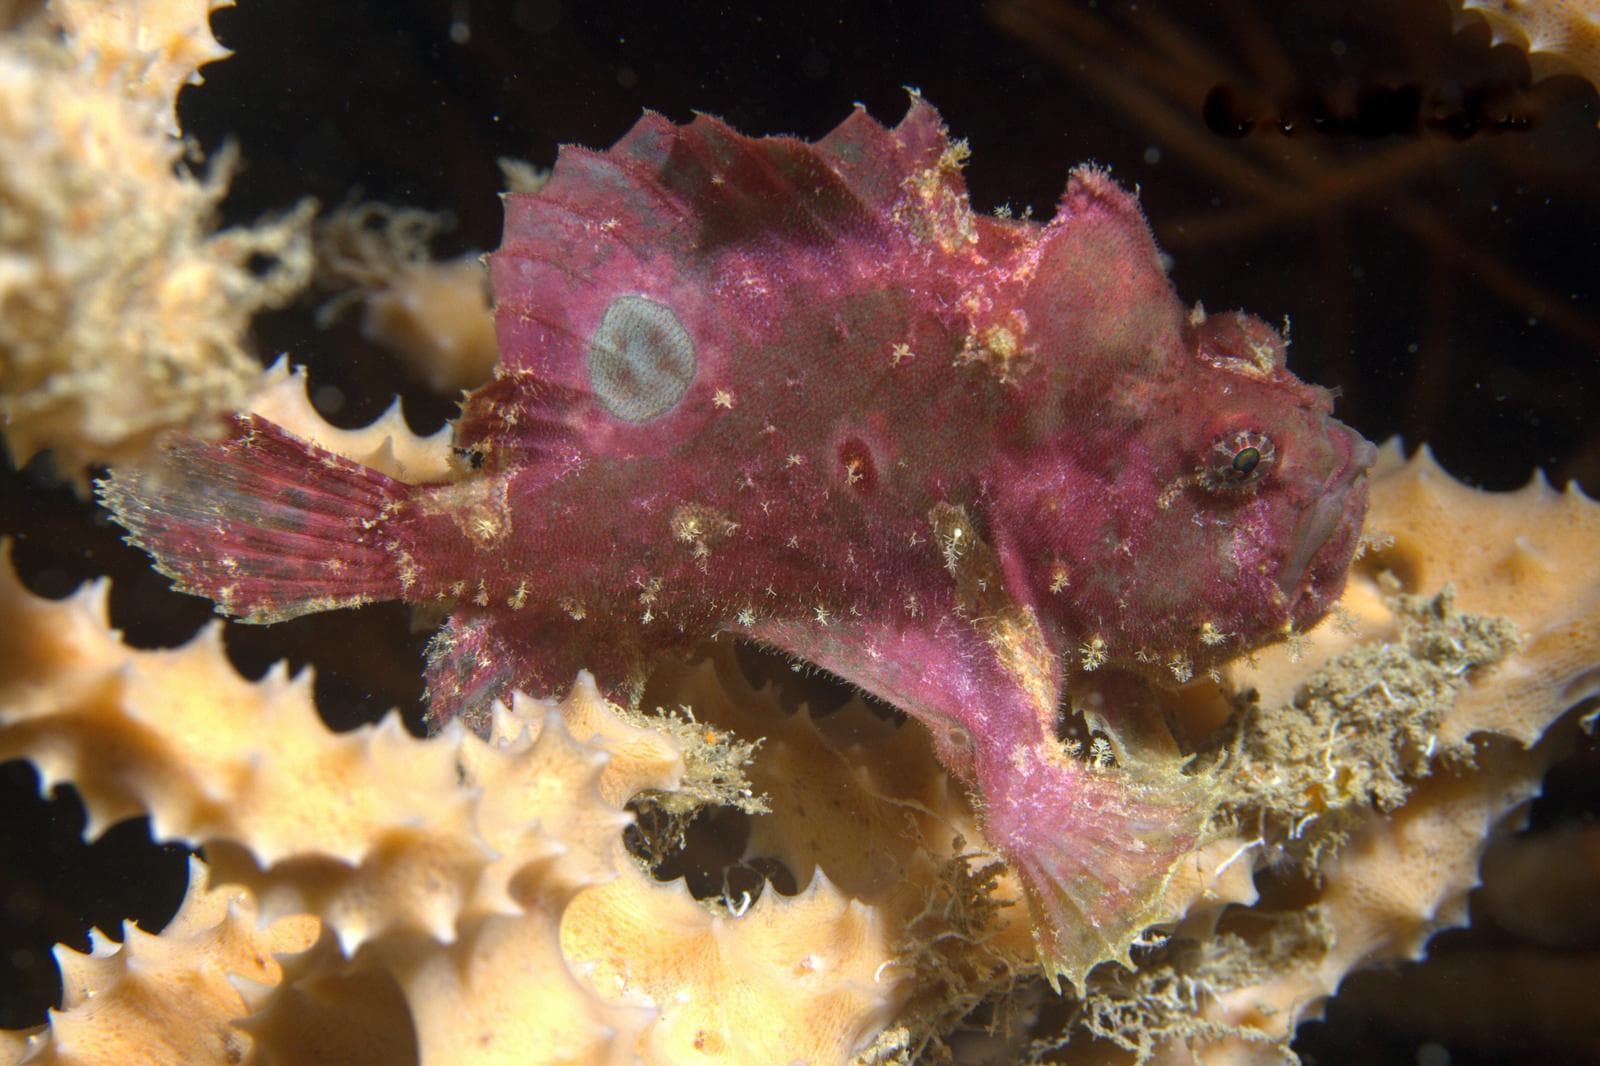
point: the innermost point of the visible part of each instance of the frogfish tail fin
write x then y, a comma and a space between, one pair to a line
264, 523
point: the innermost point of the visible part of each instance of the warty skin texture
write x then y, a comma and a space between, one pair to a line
802, 393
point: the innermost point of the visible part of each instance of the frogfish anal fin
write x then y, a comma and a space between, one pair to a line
479, 656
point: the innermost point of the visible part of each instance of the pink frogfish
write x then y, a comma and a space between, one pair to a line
979, 467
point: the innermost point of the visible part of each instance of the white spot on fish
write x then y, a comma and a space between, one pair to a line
641, 359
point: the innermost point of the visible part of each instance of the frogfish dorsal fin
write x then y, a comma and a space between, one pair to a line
636, 274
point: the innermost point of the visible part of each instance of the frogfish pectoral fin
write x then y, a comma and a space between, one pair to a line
1096, 847
1095, 844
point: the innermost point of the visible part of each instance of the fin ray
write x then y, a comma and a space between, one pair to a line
264, 523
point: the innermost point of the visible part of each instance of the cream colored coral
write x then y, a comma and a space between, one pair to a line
1558, 35
145, 48
411, 848
723, 975
460, 875
1527, 557
121, 312
347, 826
168, 998
387, 444
435, 316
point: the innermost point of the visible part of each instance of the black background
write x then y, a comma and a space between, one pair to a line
1423, 211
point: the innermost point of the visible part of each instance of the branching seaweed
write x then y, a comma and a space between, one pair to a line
1360, 731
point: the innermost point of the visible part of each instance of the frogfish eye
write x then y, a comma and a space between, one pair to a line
1238, 459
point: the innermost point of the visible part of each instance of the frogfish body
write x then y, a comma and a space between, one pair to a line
801, 392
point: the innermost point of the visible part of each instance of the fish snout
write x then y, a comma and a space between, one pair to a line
1329, 528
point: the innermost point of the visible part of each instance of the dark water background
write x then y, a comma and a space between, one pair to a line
1425, 213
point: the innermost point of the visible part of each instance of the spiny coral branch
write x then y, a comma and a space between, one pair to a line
495, 900
1558, 35
1517, 560
169, 998
387, 444
455, 876
124, 313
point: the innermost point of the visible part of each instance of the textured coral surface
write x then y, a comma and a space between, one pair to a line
439, 887
121, 312
1559, 35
